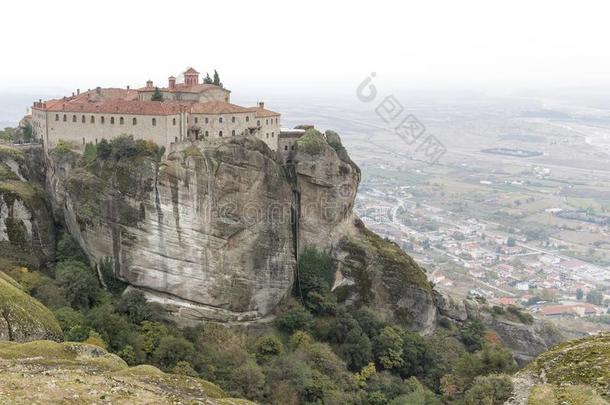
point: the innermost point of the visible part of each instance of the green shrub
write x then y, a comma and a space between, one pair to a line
266, 348
295, 318
492, 390
79, 282
312, 142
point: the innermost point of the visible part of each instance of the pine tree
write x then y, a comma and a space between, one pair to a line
217, 78
157, 96
207, 79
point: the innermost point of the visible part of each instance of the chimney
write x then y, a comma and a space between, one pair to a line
261, 104
171, 82
77, 91
149, 83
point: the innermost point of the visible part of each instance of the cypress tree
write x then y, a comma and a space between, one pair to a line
157, 96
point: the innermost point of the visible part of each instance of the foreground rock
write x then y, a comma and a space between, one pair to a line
23, 318
574, 372
53, 373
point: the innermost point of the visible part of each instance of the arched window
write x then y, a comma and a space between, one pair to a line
233, 133
102, 119
83, 119
134, 121
74, 118
154, 122
220, 119
174, 121
292, 147
121, 121
206, 120
247, 119
65, 117
276, 120
93, 119
273, 134
258, 123
232, 119
83, 141
220, 134
56, 117
267, 122
112, 120
196, 120
285, 147
206, 133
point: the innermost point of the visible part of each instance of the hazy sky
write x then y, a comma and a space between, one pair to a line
276, 46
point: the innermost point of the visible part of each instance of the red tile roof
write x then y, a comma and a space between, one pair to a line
183, 88
123, 101
263, 113
217, 107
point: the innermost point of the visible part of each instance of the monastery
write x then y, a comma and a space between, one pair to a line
188, 111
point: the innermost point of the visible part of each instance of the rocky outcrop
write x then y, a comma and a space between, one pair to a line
22, 318
27, 233
202, 233
525, 341
371, 270
574, 372
86, 374
213, 231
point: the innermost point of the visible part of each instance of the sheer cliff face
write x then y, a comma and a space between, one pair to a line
196, 232
26, 225
213, 232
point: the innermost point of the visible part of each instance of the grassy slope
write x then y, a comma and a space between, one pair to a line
574, 372
82, 373
29, 319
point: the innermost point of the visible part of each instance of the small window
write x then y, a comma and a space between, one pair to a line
174, 121
220, 134
258, 123
102, 119
121, 121
285, 147
232, 119
206, 120
112, 120
65, 117
233, 133
266, 122
134, 121
74, 118
154, 122
273, 134
83, 141
220, 119
83, 119
96, 141
196, 120
206, 133
292, 147
56, 117
93, 119
247, 119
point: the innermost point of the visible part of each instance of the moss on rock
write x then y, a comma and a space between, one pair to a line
78, 372
22, 317
581, 362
